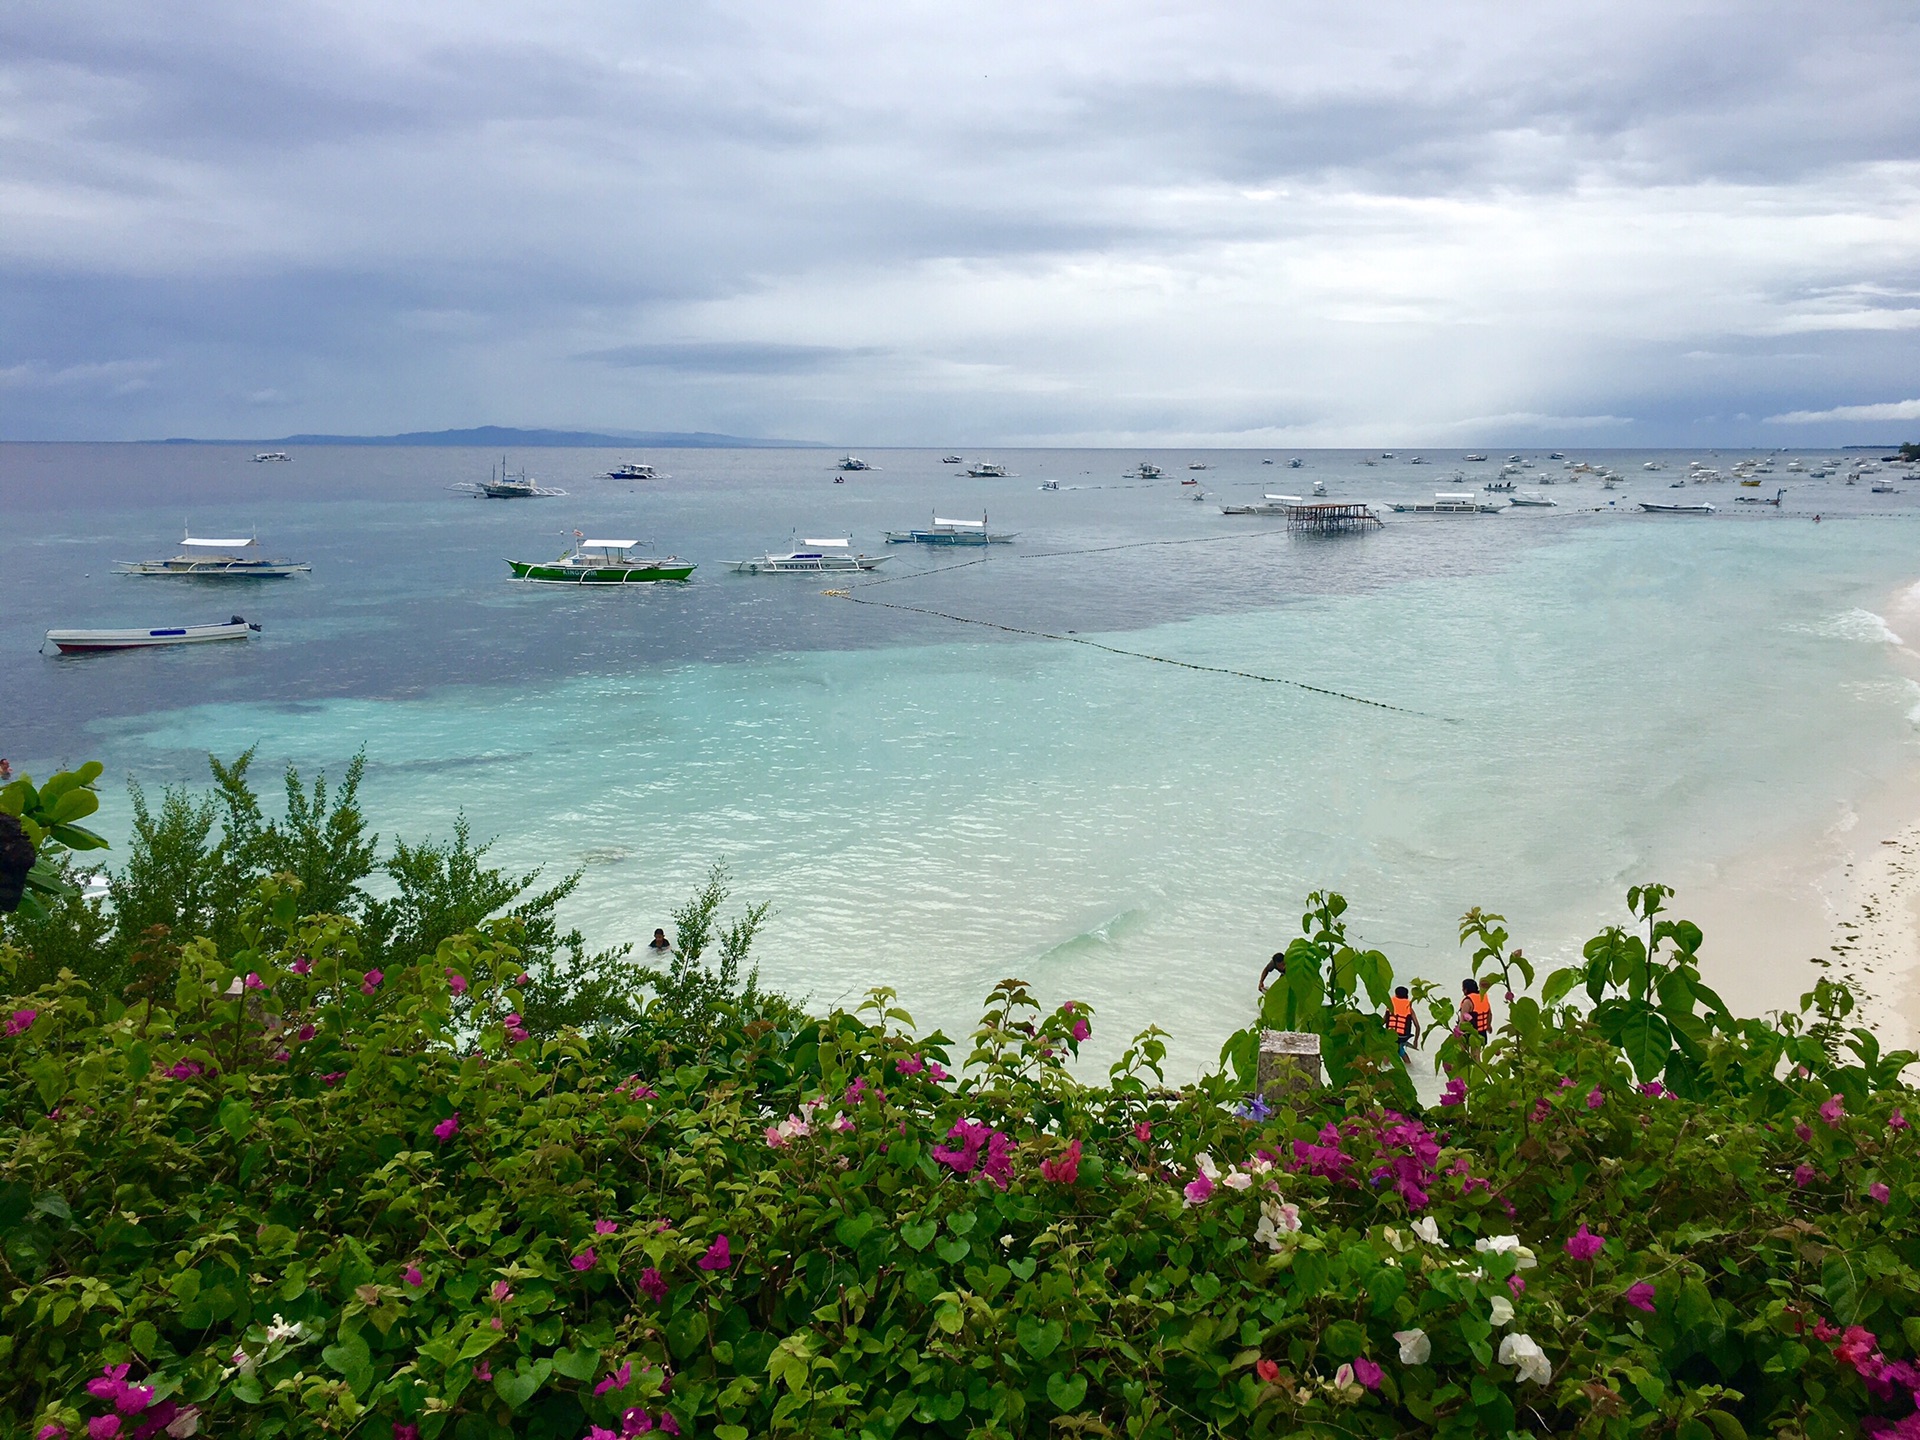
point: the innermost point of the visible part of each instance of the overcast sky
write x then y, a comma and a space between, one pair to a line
958, 223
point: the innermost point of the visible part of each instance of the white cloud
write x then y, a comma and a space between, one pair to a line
1890, 410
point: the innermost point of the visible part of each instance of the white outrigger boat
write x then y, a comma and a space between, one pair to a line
602, 562
217, 560
813, 557
1533, 499
87, 642
499, 485
985, 471
952, 532
854, 462
265, 455
1269, 505
1447, 502
1674, 507
630, 470
1145, 470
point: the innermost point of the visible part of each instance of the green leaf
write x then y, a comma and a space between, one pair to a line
952, 1251
1646, 1039
1843, 1294
350, 1359
236, 1118
851, 1230
516, 1387
919, 1233
961, 1222
52, 1204
139, 1060
1067, 1391
143, 1338
579, 1364
730, 1432
49, 1078
1039, 1338
1559, 983
1022, 1268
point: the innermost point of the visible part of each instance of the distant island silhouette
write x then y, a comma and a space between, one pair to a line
497, 435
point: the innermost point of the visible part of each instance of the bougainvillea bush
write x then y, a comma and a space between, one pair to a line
273, 1190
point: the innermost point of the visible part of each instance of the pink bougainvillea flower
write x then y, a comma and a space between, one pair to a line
1199, 1189
456, 982
103, 1427
1142, 1131
1897, 1120
718, 1257
1803, 1132
1455, 1093
605, 1227
1267, 1371
483, 1371
1067, 1007
1343, 1377
1541, 1109
935, 1071
585, 1260
617, 1380
254, 982
912, 1065
1878, 1191
50, 1431
109, 1382
652, 1285
19, 1021
1640, 1295
668, 1424
636, 1422
1081, 1030
304, 1033
774, 1137
1653, 1089
515, 1027
447, 1128
370, 982
501, 1292
1803, 1175
413, 1276
1834, 1110
1516, 1284
333, 1078
404, 1431
523, 978
1583, 1244
301, 966
1596, 1097
856, 1091
600, 1432
1064, 1168
1366, 1372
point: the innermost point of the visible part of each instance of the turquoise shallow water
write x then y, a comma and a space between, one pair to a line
1601, 699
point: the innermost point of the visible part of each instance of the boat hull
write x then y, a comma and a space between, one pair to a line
815, 565
927, 537
598, 574
90, 642
212, 570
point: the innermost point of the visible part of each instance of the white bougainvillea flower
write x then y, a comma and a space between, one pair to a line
1203, 1162
1523, 1258
1238, 1180
1415, 1347
1276, 1222
1501, 1310
1428, 1229
1527, 1358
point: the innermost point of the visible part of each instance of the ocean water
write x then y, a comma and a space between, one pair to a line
1532, 710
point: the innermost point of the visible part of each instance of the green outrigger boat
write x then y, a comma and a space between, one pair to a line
601, 562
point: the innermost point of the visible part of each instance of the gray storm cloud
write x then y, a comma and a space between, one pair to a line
884, 223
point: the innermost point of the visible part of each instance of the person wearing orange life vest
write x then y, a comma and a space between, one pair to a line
1402, 1023
1476, 1011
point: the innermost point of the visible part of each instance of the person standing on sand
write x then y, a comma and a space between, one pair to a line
1476, 1011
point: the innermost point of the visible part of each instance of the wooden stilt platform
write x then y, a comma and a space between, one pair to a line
1330, 517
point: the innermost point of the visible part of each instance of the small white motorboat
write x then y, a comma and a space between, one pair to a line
1049, 484
987, 471
1531, 498
1674, 507
810, 557
950, 460
85, 642
266, 455
631, 470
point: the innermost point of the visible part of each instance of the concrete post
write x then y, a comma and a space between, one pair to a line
1289, 1061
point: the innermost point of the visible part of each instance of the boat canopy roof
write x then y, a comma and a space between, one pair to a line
218, 544
1453, 495
1288, 499
608, 544
962, 524
839, 544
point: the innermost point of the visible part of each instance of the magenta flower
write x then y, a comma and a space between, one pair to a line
652, 1285
333, 1078
1897, 1120
635, 1422
456, 982
1516, 1285
585, 1260
1640, 1295
1199, 1189
912, 1065
1803, 1132
304, 1033
103, 1427
1878, 1191
1366, 1372
301, 966
1584, 1244
600, 1432
483, 1371
718, 1257
1803, 1175
1142, 1131
1834, 1110
1081, 1030
1596, 1098
413, 1276
523, 978
18, 1022
447, 1128
501, 1292
1067, 1007
856, 1091
605, 1227
109, 1382
371, 981
618, 1380
516, 1029
403, 1431
51, 1431
1455, 1093
1063, 1169
254, 982
1653, 1089
667, 1424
